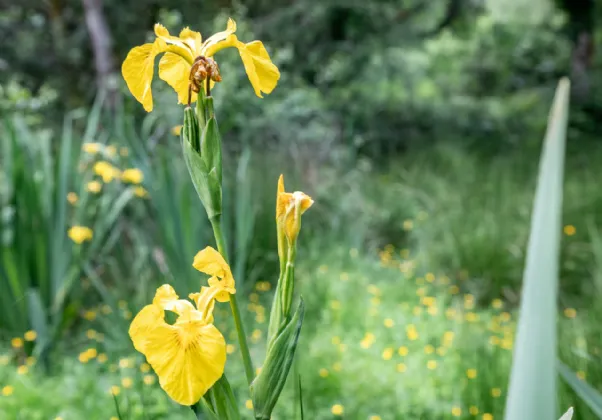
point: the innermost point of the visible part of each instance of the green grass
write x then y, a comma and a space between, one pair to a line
349, 295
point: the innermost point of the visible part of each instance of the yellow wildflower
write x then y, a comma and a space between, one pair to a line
94, 187
91, 148
456, 411
337, 410
16, 342
124, 151
102, 358
115, 390
249, 404
487, 416
474, 410
570, 313
132, 175
389, 323
188, 356
401, 367
30, 335
289, 208
127, 382
139, 191
72, 198
79, 234
7, 390
569, 230
431, 364
375, 417
471, 373
111, 150
22, 370
211, 262
388, 353
148, 379
188, 61
496, 392
403, 351
176, 130
323, 372
107, 171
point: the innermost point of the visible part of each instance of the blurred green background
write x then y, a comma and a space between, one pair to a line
416, 126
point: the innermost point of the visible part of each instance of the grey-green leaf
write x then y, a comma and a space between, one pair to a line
587, 393
532, 389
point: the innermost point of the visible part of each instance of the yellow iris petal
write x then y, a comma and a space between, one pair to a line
193, 39
142, 324
188, 359
138, 69
175, 44
289, 208
210, 262
215, 42
189, 356
262, 73
175, 71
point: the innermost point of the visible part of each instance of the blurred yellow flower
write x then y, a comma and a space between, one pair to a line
72, 198
429, 349
139, 191
132, 176
487, 416
115, 390
249, 404
102, 358
337, 410
431, 364
570, 313
374, 418
111, 150
569, 230
148, 379
368, 340
388, 353
401, 367
289, 208
389, 323
145, 367
91, 148
22, 370
188, 60
211, 262
471, 373
106, 171
403, 351
7, 390
456, 411
176, 130
496, 392
124, 151
408, 225
79, 234
473, 410
94, 187
30, 335
188, 356
127, 382
323, 372
16, 342
497, 303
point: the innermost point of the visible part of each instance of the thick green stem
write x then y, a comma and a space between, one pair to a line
216, 223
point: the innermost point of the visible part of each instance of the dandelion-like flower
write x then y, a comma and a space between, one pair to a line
188, 62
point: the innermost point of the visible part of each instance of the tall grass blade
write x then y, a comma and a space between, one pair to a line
532, 389
588, 394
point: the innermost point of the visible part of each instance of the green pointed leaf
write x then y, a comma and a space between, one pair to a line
222, 399
266, 388
205, 184
38, 319
586, 392
568, 415
532, 388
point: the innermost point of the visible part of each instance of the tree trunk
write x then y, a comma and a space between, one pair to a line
100, 37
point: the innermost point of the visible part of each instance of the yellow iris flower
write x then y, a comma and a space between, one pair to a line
289, 208
180, 54
188, 356
209, 261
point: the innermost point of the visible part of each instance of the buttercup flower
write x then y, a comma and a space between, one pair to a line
107, 171
188, 356
79, 234
132, 175
289, 208
209, 261
187, 62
